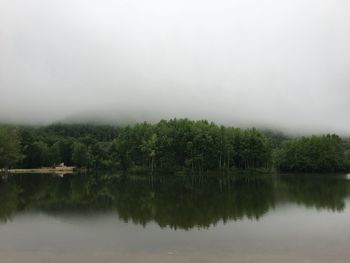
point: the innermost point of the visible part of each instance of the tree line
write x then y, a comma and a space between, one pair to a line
324, 153
173, 145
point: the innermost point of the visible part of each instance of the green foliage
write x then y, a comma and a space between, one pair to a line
80, 155
193, 145
10, 152
174, 145
312, 154
51, 145
97, 132
347, 158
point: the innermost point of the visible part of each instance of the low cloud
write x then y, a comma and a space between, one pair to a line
281, 64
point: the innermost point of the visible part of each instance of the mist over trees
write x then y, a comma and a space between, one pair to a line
169, 146
236, 62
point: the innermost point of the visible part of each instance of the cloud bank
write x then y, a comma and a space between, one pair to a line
282, 64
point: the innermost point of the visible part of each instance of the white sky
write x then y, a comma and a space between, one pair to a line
277, 63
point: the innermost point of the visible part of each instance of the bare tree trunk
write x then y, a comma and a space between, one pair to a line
228, 161
152, 165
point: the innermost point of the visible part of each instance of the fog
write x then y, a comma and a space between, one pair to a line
271, 63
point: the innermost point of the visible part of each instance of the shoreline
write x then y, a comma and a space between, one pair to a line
67, 169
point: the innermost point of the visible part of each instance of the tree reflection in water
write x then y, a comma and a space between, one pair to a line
176, 202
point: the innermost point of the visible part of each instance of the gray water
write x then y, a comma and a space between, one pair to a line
107, 218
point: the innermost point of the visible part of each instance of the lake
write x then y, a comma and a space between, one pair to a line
111, 218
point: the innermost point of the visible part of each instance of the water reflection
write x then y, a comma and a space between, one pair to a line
181, 202
321, 192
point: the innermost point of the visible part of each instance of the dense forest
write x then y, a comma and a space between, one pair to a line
174, 145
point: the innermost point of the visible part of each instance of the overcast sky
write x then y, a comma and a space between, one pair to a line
277, 63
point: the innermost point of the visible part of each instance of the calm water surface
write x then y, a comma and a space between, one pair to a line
107, 218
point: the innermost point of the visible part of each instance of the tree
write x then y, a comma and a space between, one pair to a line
41, 152
148, 147
347, 159
55, 154
312, 154
10, 152
80, 155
